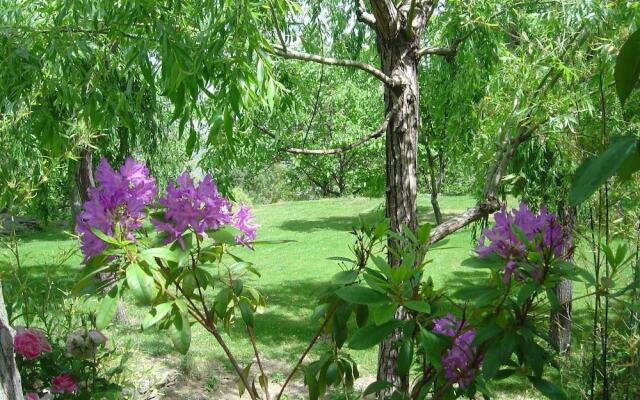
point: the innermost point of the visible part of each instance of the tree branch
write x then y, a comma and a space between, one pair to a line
363, 15
386, 15
447, 51
277, 26
342, 149
296, 55
411, 14
524, 130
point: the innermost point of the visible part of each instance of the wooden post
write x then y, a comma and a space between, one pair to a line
10, 385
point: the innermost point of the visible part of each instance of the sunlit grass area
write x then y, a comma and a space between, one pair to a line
291, 274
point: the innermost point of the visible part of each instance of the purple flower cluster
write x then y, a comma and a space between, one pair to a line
542, 228
119, 199
461, 361
200, 208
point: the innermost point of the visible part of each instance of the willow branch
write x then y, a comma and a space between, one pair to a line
447, 51
337, 150
363, 15
297, 55
508, 145
276, 25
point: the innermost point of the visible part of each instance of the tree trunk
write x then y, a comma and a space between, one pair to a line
75, 202
398, 61
10, 385
434, 183
84, 173
560, 324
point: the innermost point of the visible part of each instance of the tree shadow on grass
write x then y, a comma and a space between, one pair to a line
285, 327
49, 234
347, 222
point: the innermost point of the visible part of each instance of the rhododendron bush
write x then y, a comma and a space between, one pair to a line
69, 368
173, 252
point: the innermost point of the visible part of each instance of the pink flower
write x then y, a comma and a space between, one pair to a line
63, 384
31, 396
30, 343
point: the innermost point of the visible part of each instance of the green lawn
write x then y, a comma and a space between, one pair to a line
291, 274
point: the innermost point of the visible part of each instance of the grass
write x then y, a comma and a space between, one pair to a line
291, 274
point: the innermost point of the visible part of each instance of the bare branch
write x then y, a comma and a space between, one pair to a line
447, 51
507, 148
437, 51
296, 55
453, 49
363, 15
337, 150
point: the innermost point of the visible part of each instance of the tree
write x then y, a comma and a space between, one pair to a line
398, 33
10, 384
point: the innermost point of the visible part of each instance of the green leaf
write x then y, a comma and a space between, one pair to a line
362, 315
345, 277
239, 383
104, 237
433, 346
226, 235
180, 331
525, 292
371, 335
376, 387
547, 388
160, 252
627, 68
141, 284
383, 312
214, 130
332, 373
156, 315
312, 384
235, 99
418, 305
491, 363
405, 356
107, 308
247, 314
595, 171
361, 295
191, 142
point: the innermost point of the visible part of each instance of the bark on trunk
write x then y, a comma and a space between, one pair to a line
398, 61
561, 320
434, 183
75, 202
84, 173
560, 324
10, 384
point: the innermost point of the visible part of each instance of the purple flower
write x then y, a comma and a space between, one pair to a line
200, 208
118, 199
242, 221
461, 361
543, 229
